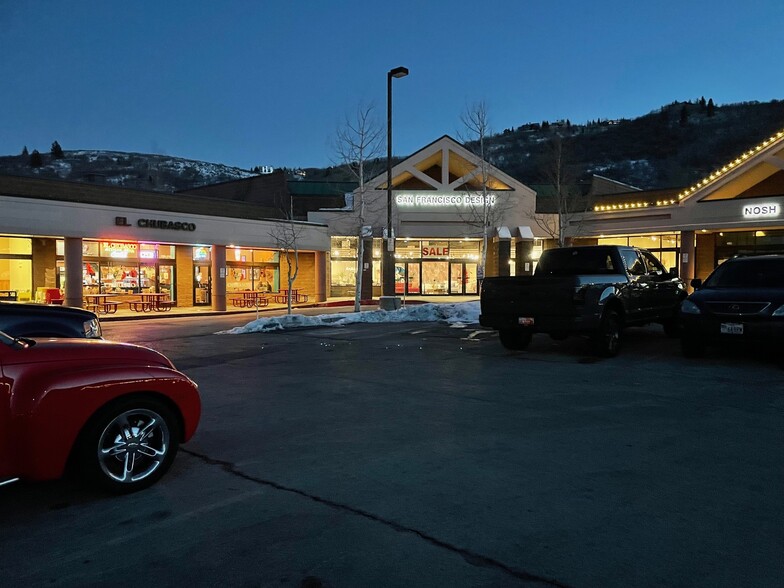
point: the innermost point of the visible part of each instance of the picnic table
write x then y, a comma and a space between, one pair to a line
282, 297
250, 299
151, 301
101, 303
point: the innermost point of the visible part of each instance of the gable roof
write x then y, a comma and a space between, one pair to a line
445, 166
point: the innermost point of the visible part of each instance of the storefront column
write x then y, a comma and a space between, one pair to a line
72, 251
321, 276
687, 256
218, 277
366, 293
504, 256
524, 265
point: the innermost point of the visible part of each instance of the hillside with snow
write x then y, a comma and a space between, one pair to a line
141, 171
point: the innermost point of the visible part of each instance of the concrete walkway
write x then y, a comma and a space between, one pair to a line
126, 314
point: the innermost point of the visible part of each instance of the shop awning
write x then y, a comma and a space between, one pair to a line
503, 232
525, 233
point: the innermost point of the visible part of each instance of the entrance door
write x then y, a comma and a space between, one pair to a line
201, 285
462, 278
407, 278
166, 280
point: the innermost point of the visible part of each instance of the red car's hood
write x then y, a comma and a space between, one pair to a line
84, 351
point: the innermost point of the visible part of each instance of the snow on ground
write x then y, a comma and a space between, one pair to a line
458, 315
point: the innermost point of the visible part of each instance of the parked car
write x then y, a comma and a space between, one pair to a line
114, 413
43, 320
741, 301
594, 290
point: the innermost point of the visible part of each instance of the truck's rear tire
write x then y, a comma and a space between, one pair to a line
607, 340
515, 339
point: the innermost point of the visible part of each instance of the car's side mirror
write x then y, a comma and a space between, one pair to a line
696, 283
673, 272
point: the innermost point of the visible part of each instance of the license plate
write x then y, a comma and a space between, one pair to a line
525, 321
731, 328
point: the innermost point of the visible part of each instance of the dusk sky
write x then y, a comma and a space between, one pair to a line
267, 83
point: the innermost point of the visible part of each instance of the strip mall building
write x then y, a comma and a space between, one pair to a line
736, 210
89, 239
84, 239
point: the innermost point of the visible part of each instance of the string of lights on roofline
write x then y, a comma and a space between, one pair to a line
701, 184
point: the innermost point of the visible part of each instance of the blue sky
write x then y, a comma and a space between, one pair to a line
268, 82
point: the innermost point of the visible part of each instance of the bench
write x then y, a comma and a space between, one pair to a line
139, 305
163, 305
101, 308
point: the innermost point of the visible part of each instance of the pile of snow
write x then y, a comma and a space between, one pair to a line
457, 315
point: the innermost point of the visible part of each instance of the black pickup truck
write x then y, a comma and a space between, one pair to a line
596, 290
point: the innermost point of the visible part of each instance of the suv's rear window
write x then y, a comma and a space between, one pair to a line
756, 273
572, 262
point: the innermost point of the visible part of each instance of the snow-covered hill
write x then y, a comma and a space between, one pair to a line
161, 173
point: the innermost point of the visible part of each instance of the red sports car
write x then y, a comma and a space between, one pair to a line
114, 411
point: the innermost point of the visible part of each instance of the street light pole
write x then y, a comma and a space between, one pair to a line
389, 251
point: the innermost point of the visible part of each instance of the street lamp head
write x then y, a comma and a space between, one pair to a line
398, 72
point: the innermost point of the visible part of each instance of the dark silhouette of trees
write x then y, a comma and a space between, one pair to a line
35, 159
684, 119
25, 153
711, 108
57, 151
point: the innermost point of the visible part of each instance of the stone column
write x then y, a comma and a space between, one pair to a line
687, 257
523, 263
218, 277
73, 271
321, 276
504, 256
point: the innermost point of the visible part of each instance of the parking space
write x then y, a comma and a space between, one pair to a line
421, 454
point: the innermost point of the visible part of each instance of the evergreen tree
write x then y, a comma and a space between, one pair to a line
25, 153
711, 108
57, 151
702, 104
35, 159
684, 116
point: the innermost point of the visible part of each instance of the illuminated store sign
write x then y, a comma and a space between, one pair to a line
429, 200
761, 210
151, 223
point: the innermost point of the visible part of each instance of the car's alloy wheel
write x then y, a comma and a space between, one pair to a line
607, 341
515, 339
130, 445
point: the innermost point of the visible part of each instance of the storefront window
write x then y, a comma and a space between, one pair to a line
613, 241
407, 249
464, 249
435, 277
16, 246
265, 256
118, 250
344, 273
344, 247
201, 254
646, 241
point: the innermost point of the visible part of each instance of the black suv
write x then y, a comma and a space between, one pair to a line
42, 320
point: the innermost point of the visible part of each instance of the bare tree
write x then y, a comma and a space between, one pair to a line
567, 204
358, 144
484, 209
286, 235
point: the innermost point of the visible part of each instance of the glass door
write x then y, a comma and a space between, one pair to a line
462, 278
166, 280
201, 285
407, 278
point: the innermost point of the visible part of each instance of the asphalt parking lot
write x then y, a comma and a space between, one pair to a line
423, 455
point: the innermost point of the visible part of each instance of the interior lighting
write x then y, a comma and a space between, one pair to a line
759, 234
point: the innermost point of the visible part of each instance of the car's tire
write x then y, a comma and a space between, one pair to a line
607, 340
515, 339
129, 444
692, 347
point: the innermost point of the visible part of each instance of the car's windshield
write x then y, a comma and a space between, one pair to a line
748, 273
576, 261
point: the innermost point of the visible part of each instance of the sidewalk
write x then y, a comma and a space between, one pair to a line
126, 314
